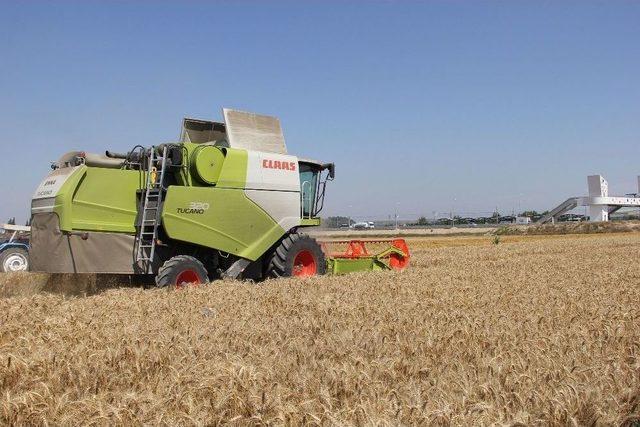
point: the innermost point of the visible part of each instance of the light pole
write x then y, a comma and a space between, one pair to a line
451, 214
397, 203
520, 204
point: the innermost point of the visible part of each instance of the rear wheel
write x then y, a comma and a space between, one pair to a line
296, 255
181, 271
14, 259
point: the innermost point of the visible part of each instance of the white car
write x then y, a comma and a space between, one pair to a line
360, 226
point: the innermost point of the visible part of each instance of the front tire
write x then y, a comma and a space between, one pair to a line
14, 259
296, 255
181, 271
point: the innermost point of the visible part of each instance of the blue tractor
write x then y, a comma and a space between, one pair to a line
14, 251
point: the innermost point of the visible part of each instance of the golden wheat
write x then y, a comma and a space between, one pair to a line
540, 331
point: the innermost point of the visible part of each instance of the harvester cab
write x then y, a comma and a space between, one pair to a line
226, 200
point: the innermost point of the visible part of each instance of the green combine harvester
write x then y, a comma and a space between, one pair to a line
226, 201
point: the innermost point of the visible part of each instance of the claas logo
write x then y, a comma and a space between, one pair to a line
277, 164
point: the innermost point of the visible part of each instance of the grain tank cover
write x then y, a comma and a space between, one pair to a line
201, 131
254, 132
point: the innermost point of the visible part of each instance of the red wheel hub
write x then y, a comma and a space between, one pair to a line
304, 264
187, 277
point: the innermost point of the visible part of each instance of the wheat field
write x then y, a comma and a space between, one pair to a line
533, 331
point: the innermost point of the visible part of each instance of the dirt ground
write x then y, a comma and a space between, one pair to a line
534, 329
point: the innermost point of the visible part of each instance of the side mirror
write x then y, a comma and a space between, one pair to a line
332, 169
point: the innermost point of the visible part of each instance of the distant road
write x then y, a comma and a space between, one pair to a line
418, 232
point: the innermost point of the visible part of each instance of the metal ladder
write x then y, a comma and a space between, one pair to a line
150, 218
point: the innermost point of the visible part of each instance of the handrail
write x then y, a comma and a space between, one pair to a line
302, 193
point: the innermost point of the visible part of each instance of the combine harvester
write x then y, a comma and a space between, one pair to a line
227, 201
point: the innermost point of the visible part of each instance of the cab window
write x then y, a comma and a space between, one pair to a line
308, 187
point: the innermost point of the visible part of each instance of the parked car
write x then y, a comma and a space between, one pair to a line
362, 225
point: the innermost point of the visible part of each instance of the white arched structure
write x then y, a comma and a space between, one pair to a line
600, 204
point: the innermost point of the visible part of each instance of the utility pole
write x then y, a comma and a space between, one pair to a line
520, 204
397, 203
453, 208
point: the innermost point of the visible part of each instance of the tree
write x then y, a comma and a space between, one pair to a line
460, 220
422, 221
530, 214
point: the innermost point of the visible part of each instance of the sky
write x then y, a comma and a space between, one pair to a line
425, 107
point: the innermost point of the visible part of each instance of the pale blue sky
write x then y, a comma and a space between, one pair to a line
427, 105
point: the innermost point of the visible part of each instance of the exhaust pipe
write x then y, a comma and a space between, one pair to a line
115, 155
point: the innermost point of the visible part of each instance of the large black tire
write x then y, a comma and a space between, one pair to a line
296, 255
14, 259
181, 270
